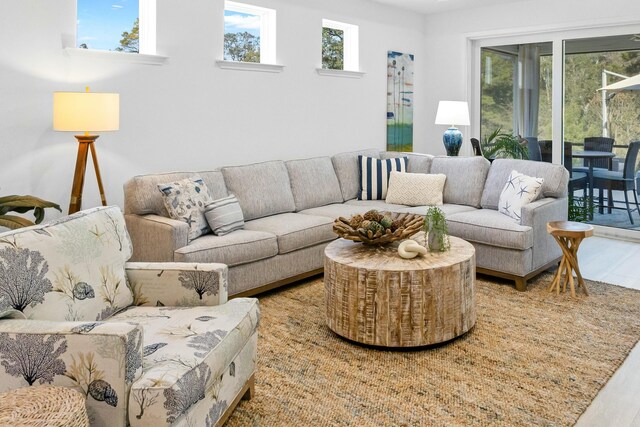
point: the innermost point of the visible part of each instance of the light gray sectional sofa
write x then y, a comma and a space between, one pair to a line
289, 208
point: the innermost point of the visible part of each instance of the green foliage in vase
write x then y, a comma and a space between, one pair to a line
436, 230
501, 145
23, 204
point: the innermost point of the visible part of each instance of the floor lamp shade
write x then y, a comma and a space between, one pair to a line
452, 113
85, 112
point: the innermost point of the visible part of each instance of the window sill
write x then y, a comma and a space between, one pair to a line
250, 66
113, 56
340, 73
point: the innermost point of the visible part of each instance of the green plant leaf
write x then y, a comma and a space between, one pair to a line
13, 222
23, 204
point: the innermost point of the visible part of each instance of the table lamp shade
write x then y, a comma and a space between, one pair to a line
86, 111
453, 113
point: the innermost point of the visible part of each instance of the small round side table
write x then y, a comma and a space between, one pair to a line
569, 235
43, 406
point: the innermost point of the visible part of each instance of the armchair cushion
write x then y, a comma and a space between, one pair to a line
69, 269
187, 352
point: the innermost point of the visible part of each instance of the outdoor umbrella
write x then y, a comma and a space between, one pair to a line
631, 83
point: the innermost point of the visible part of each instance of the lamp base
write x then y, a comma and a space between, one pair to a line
85, 145
452, 140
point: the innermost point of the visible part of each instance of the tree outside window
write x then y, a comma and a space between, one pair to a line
332, 48
241, 37
108, 25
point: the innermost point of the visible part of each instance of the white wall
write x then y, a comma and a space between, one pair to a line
447, 34
189, 114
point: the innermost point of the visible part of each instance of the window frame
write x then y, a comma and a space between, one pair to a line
351, 59
267, 29
147, 41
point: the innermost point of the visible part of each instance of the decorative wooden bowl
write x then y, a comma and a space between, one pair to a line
404, 225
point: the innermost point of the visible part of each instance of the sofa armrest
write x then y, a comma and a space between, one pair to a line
99, 359
536, 215
155, 238
177, 283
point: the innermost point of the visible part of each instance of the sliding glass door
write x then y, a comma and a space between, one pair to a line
577, 123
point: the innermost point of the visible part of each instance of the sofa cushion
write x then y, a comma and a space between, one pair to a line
447, 208
68, 269
492, 228
519, 190
465, 178
239, 247
416, 163
556, 179
224, 215
186, 352
262, 189
313, 182
141, 195
374, 176
294, 230
336, 210
348, 173
415, 189
380, 205
185, 201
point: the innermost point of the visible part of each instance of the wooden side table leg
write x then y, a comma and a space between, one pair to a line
556, 280
575, 265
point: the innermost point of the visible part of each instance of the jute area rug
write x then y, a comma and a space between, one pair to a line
533, 358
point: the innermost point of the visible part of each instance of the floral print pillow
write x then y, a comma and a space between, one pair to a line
185, 201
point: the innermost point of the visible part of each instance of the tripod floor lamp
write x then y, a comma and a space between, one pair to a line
85, 112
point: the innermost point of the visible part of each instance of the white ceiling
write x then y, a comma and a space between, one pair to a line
436, 6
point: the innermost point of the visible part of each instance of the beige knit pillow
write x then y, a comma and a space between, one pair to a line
415, 189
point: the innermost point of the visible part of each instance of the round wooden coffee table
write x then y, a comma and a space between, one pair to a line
375, 297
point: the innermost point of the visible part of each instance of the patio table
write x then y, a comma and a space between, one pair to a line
589, 157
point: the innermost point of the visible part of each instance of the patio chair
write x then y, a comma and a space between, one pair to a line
534, 149
622, 181
546, 150
577, 180
597, 143
477, 150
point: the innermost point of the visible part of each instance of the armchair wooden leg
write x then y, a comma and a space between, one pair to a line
248, 395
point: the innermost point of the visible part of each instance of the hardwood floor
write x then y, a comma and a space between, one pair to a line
618, 403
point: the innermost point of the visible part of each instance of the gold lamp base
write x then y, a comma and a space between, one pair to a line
85, 143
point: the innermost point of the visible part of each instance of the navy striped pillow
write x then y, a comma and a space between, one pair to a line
374, 175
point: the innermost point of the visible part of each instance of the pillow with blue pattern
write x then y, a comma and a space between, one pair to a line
185, 201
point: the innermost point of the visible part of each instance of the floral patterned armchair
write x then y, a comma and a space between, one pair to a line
146, 343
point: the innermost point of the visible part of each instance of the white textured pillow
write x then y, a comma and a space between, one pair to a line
519, 190
415, 189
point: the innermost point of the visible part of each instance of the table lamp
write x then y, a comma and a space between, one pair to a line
85, 112
452, 113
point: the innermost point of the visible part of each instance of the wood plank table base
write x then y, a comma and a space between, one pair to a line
569, 235
377, 298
